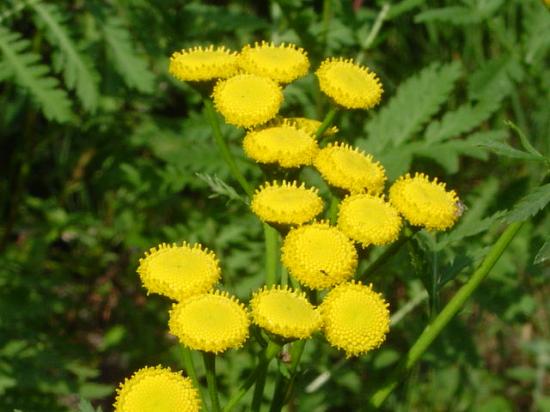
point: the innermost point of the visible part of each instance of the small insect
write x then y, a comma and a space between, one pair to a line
460, 208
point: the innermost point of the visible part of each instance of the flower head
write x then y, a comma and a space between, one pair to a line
311, 126
286, 203
283, 63
202, 64
356, 318
157, 389
179, 271
247, 100
211, 322
283, 144
284, 312
425, 203
350, 85
369, 220
319, 255
349, 168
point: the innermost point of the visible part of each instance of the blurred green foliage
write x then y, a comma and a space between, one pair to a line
103, 155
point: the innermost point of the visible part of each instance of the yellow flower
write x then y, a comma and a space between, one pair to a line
179, 271
356, 318
349, 168
283, 63
284, 312
369, 220
284, 144
211, 322
157, 389
311, 126
286, 203
201, 64
319, 255
425, 203
350, 85
247, 100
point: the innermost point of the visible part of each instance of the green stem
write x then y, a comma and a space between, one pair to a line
224, 149
210, 366
333, 208
271, 237
189, 366
327, 122
283, 387
265, 358
433, 330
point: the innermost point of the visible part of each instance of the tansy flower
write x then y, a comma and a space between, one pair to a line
284, 312
311, 126
211, 322
285, 145
286, 203
247, 100
283, 63
356, 319
319, 255
369, 220
201, 64
425, 203
157, 389
348, 84
179, 271
349, 168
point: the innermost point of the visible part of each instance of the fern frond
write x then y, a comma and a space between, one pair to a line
78, 72
416, 101
128, 62
24, 67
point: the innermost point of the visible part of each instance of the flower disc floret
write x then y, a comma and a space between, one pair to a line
286, 203
203, 64
319, 255
179, 271
247, 100
350, 85
311, 126
369, 220
349, 168
284, 145
284, 312
283, 63
157, 389
425, 203
356, 319
211, 322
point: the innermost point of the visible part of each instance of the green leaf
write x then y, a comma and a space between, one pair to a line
494, 79
85, 406
128, 62
530, 205
543, 254
24, 67
453, 14
503, 149
219, 187
78, 71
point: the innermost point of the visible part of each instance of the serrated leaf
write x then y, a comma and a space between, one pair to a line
543, 254
219, 187
78, 72
530, 205
453, 14
503, 149
85, 406
25, 69
494, 79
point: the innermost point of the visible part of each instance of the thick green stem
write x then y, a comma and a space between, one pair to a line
224, 149
327, 122
433, 330
189, 366
283, 387
333, 208
271, 237
210, 366
265, 358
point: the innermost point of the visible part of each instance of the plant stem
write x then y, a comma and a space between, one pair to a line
271, 238
333, 208
224, 149
265, 358
433, 330
189, 366
327, 122
283, 387
210, 366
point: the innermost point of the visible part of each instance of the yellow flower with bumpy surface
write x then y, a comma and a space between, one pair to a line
350, 85
369, 220
285, 145
356, 319
283, 63
203, 64
349, 168
211, 322
157, 389
319, 255
286, 203
425, 203
179, 271
284, 312
311, 126
247, 100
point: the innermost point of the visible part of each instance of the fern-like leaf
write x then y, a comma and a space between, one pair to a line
416, 101
78, 72
24, 67
494, 79
128, 62
530, 205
